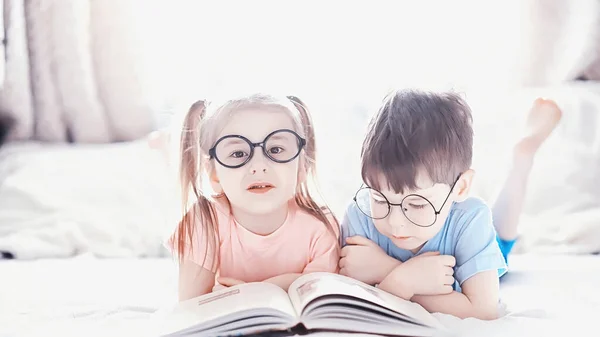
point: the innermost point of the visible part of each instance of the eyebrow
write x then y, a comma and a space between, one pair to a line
426, 193
278, 137
234, 141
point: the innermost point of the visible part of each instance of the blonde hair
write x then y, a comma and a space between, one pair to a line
201, 126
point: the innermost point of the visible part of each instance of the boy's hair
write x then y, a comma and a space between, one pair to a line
417, 132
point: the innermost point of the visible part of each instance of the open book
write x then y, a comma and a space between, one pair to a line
314, 302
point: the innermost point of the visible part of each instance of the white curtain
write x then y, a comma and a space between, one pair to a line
77, 70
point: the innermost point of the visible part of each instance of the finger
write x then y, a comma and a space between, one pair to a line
218, 287
342, 262
344, 272
448, 280
359, 240
449, 260
449, 271
446, 290
430, 254
344, 251
228, 281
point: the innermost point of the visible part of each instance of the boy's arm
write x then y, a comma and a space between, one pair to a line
479, 298
479, 263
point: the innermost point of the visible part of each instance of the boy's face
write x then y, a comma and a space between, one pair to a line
411, 225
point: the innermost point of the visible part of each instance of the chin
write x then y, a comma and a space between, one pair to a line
263, 206
409, 244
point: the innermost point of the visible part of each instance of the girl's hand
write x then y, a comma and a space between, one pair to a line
363, 260
226, 282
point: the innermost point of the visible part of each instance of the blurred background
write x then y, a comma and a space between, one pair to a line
86, 203
84, 82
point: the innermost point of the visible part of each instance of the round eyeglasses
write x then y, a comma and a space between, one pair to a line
416, 208
280, 146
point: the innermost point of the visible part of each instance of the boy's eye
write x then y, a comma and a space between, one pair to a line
415, 206
379, 201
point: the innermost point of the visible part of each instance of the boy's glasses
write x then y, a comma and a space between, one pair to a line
280, 146
416, 208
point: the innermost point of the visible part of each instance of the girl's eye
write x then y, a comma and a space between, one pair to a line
276, 150
379, 201
238, 154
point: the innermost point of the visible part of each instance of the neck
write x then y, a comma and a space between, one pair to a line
261, 224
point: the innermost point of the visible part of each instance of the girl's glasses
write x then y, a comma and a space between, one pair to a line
280, 146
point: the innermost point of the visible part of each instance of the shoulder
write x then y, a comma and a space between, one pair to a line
354, 216
310, 222
219, 213
468, 213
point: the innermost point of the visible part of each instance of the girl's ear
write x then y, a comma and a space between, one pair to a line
463, 185
302, 170
215, 183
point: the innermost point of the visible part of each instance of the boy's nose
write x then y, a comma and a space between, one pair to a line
397, 221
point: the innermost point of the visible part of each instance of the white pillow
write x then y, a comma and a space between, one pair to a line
60, 200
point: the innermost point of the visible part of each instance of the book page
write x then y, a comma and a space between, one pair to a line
216, 305
315, 285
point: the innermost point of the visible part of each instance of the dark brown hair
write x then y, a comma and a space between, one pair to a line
417, 132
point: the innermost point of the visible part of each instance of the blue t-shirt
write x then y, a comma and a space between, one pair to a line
468, 234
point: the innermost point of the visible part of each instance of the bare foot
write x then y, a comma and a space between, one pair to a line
542, 119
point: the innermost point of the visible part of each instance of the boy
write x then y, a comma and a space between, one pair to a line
412, 228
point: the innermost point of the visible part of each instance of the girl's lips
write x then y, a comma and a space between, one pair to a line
260, 190
260, 187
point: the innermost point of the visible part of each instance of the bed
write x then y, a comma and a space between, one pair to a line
88, 240
88, 296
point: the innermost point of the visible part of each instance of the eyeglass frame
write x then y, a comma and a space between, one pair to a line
389, 204
212, 152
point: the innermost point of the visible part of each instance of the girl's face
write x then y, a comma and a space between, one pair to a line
260, 186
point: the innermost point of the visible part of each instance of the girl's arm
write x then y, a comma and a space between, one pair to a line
284, 281
479, 298
324, 257
194, 280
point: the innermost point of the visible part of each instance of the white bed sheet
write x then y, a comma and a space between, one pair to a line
102, 297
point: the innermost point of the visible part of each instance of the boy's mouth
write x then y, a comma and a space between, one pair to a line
260, 188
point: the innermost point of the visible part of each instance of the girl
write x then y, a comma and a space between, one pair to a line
257, 154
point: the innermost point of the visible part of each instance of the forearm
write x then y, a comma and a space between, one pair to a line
283, 281
394, 284
456, 304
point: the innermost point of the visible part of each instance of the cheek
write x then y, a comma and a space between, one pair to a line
229, 179
427, 233
287, 175
382, 226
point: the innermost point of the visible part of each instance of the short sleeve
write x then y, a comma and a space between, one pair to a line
324, 254
354, 223
476, 247
196, 247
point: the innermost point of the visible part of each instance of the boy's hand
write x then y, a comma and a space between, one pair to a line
365, 261
225, 282
427, 274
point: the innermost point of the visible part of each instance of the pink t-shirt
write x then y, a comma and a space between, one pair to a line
302, 244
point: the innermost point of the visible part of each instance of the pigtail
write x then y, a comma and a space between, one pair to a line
303, 196
202, 212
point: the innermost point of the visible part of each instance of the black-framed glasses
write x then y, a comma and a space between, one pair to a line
280, 146
416, 208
